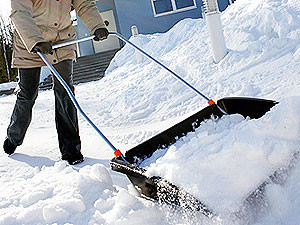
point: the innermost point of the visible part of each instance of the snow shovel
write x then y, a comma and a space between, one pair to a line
163, 191
158, 188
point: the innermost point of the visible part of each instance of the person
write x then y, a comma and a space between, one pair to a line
39, 24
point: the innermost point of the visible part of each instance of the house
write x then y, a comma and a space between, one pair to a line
150, 16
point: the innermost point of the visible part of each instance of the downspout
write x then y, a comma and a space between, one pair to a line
217, 40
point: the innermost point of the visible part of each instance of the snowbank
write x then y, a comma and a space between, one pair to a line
67, 195
226, 159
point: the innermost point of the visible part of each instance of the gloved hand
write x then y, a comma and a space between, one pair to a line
101, 34
42, 47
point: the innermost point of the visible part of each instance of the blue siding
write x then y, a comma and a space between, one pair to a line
142, 16
133, 12
223, 4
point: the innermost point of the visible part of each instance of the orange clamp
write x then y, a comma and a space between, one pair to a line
118, 153
211, 102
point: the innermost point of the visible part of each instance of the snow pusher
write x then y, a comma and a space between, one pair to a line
158, 188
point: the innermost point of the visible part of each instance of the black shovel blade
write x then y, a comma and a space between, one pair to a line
255, 205
136, 175
160, 189
248, 107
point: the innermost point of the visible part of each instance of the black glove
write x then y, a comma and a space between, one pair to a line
101, 34
42, 47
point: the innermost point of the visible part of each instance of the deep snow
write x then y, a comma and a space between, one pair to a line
136, 101
224, 160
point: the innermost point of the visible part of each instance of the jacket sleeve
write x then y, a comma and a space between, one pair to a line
21, 16
88, 12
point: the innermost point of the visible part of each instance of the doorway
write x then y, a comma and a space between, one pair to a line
112, 42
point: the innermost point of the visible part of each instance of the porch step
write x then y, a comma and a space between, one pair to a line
88, 68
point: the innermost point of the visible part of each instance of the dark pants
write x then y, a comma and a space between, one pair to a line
65, 112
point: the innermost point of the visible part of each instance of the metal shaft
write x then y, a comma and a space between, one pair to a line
72, 97
72, 42
159, 63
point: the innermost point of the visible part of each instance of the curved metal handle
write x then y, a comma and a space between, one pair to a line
72, 42
159, 63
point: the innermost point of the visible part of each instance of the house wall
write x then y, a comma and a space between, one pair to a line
133, 12
142, 16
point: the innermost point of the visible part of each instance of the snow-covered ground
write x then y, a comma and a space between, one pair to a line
7, 86
219, 163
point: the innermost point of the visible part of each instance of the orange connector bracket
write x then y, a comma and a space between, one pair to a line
211, 102
118, 153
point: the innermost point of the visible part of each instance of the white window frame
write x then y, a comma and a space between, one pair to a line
74, 18
175, 10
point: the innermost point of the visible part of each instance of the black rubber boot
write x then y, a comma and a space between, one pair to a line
9, 147
74, 158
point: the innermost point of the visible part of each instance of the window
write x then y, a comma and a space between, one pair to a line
184, 3
164, 7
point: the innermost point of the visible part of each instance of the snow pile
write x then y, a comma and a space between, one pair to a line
136, 101
284, 202
226, 159
62, 194
53, 194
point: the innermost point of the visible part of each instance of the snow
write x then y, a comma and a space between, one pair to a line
210, 163
219, 163
8, 86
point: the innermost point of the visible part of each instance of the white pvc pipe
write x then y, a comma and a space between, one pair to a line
217, 40
216, 36
135, 34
